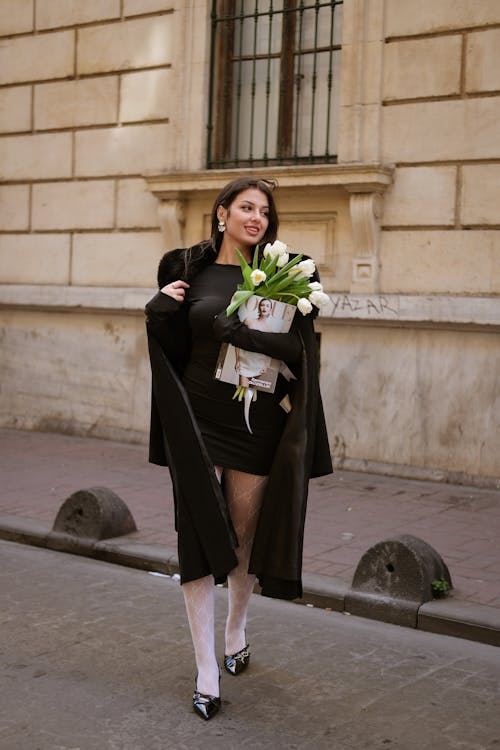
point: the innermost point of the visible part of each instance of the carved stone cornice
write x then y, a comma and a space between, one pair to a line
440, 311
359, 178
365, 183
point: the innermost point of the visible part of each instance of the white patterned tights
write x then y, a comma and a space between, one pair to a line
244, 494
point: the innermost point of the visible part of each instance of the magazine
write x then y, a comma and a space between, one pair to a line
251, 369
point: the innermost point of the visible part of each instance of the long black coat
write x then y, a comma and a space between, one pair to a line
206, 537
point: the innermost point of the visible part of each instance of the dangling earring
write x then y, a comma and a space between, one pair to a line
221, 226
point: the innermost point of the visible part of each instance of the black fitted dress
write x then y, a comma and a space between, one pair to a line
296, 443
219, 417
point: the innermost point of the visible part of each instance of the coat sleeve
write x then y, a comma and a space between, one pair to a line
166, 321
166, 324
285, 346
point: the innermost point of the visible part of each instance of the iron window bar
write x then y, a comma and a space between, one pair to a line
273, 96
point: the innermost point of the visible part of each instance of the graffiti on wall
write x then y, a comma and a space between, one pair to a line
362, 305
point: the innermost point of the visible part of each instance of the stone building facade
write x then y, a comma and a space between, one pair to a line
103, 118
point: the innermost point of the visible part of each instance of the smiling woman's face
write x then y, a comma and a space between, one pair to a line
246, 219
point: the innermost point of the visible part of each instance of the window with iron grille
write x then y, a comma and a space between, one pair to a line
274, 82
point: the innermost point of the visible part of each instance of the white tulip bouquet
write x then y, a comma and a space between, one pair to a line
276, 277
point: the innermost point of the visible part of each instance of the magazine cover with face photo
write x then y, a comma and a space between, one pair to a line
251, 369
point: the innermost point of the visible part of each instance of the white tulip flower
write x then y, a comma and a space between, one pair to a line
304, 306
277, 248
305, 269
282, 260
319, 299
258, 277
316, 286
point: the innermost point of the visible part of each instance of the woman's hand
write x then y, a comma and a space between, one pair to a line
176, 290
285, 346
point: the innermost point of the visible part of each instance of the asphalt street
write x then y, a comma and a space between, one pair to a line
98, 657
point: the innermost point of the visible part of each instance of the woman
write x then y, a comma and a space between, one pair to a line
248, 364
240, 498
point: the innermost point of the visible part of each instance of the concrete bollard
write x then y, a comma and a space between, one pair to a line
394, 578
94, 513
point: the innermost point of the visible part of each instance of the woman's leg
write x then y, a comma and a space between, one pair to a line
200, 603
199, 600
244, 494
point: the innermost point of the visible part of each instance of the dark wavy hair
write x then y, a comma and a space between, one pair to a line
231, 191
185, 264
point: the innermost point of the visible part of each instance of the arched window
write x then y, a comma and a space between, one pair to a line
274, 85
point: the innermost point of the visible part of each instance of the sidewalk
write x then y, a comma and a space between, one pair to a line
347, 512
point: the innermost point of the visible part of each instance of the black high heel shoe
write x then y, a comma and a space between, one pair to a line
238, 662
204, 705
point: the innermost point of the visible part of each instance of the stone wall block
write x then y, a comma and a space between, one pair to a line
372, 74
374, 20
62, 345
350, 70
348, 141
127, 45
370, 133
413, 381
480, 200
137, 7
73, 205
14, 207
15, 109
16, 16
422, 67
137, 207
350, 23
32, 157
37, 58
129, 150
68, 104
483, 60
146, 95
427, 16
440, 262
442, 130
421, 196
34, 258
51, 14
116, 259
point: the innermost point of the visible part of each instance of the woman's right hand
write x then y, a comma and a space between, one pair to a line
176, 290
